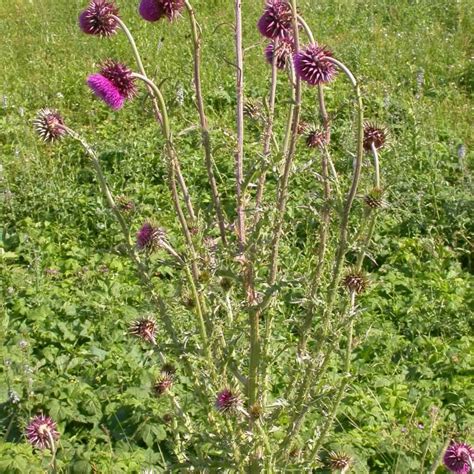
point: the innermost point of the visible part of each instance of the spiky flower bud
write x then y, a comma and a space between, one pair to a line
150, 237
282, 52
165, 380
41, 432
355, 282
99, 18
374, 199
49, 125
339, 461
374, 134
459, 457
253, 109
154, 10
114, 84
316, 138
144, 328
312, 66
227, 401
276, 21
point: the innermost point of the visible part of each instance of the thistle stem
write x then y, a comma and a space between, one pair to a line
206, 140
376, 165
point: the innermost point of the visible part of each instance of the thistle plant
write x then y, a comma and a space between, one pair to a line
247, 415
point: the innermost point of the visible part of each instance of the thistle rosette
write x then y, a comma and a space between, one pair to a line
276, 21
154, 10
49, 125
459, 458
312, 66
99, 18
42, 432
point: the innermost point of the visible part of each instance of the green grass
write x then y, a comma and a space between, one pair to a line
415, 349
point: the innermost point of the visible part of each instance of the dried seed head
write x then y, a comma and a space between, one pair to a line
150, 237
99, 18
276, 21
355, 282
374, 199
375, 134
227, 401
339, 461
256, 411
145, 329
41, 432
316, 138
49, 125
312, 66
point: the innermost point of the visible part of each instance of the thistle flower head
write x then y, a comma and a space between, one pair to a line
459, 457
41, 432
154, 10
99, 18
276, 21
374, 134
49, 125
374, 199
144, 328
355, 281
227, 400
149, 237
165, 380
312, 66
282, 51
113, 84
339, 461
316, 138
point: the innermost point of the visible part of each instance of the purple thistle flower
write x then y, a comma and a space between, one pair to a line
227, 401
99, 18
316, 138
149, 236
311, 65
113, 84
165, 380
283, 51
144, 328
41, 432
49, 125
376, 134
154, 10
459, 458
276, 21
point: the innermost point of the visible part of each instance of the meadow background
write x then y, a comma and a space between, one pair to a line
69, 293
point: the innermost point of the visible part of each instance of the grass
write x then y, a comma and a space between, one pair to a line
69, 293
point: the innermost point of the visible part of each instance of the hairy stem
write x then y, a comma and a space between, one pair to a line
376, 165
206, 140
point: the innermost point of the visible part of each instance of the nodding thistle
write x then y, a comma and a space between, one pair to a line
276, 21
355, 282
374, 199
316, 138
376, 135
99, 18
41, 432
227, 401
459, 458
144, 328
312, 66
114, 84
339, 461
281, 51
49, 125
150, 237
154, 10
